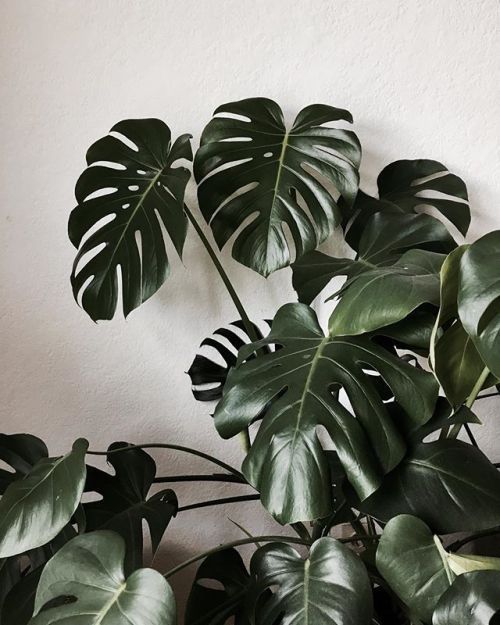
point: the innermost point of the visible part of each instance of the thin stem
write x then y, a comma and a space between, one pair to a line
486, 395
216, 477
301, 530
455, 430
247, 541
187, 450
458, 544
249, 327
218, 502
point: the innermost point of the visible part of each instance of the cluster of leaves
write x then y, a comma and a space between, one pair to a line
348, 427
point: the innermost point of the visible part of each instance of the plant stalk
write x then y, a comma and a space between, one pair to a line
455, 430
218, 502
215, 477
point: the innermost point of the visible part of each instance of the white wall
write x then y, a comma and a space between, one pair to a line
421, 78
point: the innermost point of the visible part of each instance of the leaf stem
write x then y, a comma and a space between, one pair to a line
187, 450
215, 477
455, 430
458, 544
249, 327
218, 502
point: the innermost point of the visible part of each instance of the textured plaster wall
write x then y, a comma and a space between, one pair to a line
420, 76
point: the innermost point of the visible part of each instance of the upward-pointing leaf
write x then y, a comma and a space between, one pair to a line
253, 168
287, 463
129, 190
89, 570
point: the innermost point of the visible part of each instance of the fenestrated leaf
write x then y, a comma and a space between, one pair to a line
473, 599
479, 298
286, 462
330, 587
214, 606
254, 168
129, 188
442, 475
90, 571
35, 509
207, 374
386, 237
410, 562
125, 504
21, 452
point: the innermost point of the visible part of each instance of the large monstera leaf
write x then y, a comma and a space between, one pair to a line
130, 190
253, 168
89, 571
330, 587
287, 463
125, 505
479, 298
408, 186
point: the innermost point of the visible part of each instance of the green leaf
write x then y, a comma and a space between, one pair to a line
125, 505
252, 167
90, 570
287, 463
330, 587
445, 475
35, 509
466, 564
479, 298
410, 562
21, 452
20, 601
129, 188
473, 599
207, 605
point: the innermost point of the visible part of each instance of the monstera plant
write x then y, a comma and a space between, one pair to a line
357, 436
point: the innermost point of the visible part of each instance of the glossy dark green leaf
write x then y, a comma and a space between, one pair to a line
128, 193
90, 570
20, 601
287, 463
330, 587
21, 452
10, 574
473, 599
251, 166
207, 374
386, 237
35, 509
125, 505
209, 605
479, 298
444, 417
449, 484
410, 562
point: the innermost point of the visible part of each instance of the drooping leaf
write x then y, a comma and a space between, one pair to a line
410, 562
125, 504
252, 167
407, 186
21, 452
20, 601
386, 237
286, 462
90, 571
473, 599
330, 587
466, 564
479, 298
214, 606
445, 475
128, 193
207, 373
35, 509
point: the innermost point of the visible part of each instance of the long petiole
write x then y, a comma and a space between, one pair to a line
218, 502
215, 477
455, 430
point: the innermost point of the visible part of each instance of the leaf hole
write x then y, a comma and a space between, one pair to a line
125, 140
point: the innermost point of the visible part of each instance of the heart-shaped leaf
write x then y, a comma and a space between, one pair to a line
21, 452
287, 463
443, 475
479, 298
125, 506
253, 167
89, 571
412, 565
128, 193
35, 509
473, 599
214, 606
330, 587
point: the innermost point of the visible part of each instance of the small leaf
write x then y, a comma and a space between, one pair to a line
21, 452
90, 571
130, 186
330, 587
35, 509
255, 168
410, 562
